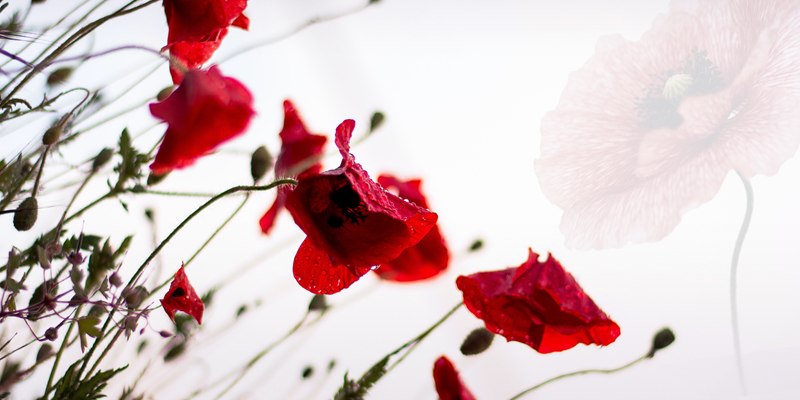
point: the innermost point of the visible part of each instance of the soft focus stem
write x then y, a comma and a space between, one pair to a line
218, 230
588, 371
417, 340
103, 355
737, 249
61, 350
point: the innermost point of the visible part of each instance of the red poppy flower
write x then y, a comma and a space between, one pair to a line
182, 297
300, 153
538, 304
425, 259
206, 110
197, 27
352, 223
449, 385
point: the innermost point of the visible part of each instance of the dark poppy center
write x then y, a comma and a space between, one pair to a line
178, 292
696, 75
350, 205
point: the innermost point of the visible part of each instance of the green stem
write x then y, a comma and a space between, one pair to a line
588, 371
218, 230
737, 347
155, 252
103, 355
61, 351
417, 340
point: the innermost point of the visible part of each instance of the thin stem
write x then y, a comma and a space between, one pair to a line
61, 350
588, 371
737, 249
39, 174
415, 342
181, 194
110, 345
218, 230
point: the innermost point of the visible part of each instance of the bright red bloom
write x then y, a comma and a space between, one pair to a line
197, 27
449, 385
206, 110
182, 297
538, 304
352, 223
425, 259
300, 153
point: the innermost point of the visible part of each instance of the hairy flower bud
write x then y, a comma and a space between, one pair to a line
115, 279
165, 92
26, 214
52, 135
260, 163
102, 158
477, 342
44, 352
59, 76
662, 339
51, 334
476, 245
376, 121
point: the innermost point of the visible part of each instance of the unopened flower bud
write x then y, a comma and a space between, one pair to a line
165, 334
662, 339
52, 135
51, 334
476, 245
307, 372
97, 309
59, 76
376, 121
114, 279
317, 303
26, 214
154, 179
260, 163
165, 92
44, 352
477, 342
102, 158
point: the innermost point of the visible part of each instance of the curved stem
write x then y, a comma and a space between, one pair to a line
588, 371
218, 230
737, 347
61, 350
417, 340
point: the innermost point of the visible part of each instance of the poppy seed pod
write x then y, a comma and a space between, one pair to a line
59, 76
662, 339
102, 158
51, 334
26, 214
165, 92
52, 135
260, 163
477, 342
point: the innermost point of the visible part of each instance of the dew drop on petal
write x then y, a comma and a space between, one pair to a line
323, 272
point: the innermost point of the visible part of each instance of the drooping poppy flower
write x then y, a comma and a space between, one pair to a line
352, 223
206, 110
449, 385
539, 304
425, 259
301, 152
646, 131
182, 297
197, 27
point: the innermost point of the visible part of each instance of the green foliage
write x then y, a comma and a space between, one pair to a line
71, 387
130, 167
352, 390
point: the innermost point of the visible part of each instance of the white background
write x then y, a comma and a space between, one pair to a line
464, 85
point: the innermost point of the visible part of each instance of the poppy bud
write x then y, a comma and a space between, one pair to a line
26, 214
59, 76
51, 334
260, 163
477, 342
175, 352
317, 303
165, 334
154, 179
149, 213
476, 245
52, 135
114, 279
376, 121
307, 372
662, 339
102, 158
44, 352
165, 92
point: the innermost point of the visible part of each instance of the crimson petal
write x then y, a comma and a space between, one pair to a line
182, 297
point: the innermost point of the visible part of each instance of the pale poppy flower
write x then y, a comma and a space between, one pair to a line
646, 131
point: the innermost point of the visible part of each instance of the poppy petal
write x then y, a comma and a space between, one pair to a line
315, 271
181, 296
449, 385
